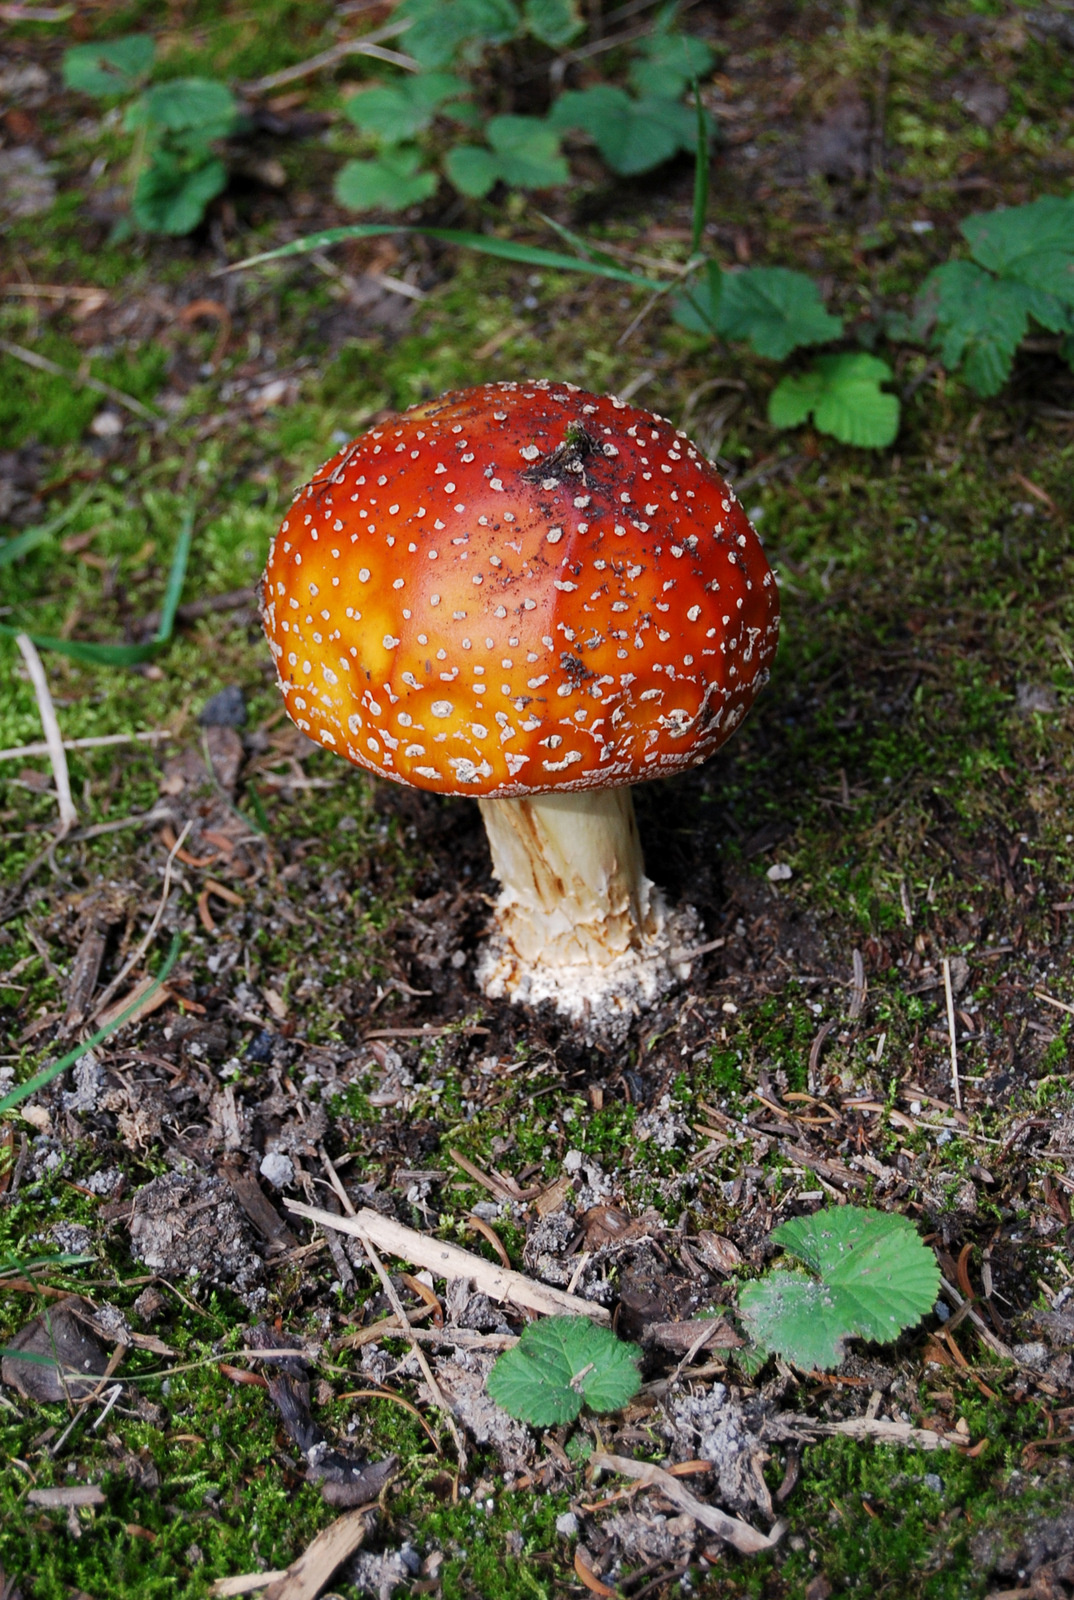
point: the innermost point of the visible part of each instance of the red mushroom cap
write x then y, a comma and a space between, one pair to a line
519, 588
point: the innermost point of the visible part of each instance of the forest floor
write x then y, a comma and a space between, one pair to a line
909, 770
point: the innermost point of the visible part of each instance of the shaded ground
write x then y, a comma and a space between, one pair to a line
911, 765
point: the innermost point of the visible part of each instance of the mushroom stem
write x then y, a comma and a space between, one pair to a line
574, 892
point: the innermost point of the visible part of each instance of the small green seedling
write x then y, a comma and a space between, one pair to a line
561, 1364
873, 1277
176, 125
409, 119
1021, 272
633, 135
524, 153
843, 395
774, 309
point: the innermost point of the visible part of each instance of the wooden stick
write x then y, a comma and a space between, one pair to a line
1060, 1005
245, 1583
53, 737
306, 1577
449, 1261
133, 959
427, 1371
956, 1087
96, 742
732, 1530
368, 45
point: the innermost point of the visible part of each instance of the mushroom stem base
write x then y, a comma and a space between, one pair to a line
578, 922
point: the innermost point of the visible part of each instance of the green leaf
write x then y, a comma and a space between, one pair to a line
472, 169
1032, 244
111, 67
394, 180
980, 320
39, 1081
399, 111
559, 1363
171, 195
197, 110
527, 152
445, 29
874, 1277
632, 135
844, 396
483, 243
775, 309
554, 22
667, 63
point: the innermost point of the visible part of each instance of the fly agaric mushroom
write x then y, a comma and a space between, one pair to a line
535, 596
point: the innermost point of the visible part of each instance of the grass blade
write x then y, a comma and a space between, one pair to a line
64, 1258
97, 655
29, 539
175, 577
24, 1090
483, 244
588, 252
126, 655
701, 175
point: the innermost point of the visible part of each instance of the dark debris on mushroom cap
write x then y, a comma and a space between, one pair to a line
519, 588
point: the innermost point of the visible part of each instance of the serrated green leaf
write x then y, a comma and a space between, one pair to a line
397, 112
446, 29
843, 394
171, 196
667, 63
525, 154
874, 1278
1031, 244
697, 308
472, 169
554, 22
775, 309
792, 400
111, 67
393, 180
196, 110
560, 1363
874, 1257
527, 151
796, 1317
980, 321
631, 135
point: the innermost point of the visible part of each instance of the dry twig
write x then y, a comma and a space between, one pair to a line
368, 45
956, 1087
427, 1371
732, 1530
449, 1261
306, 1577
81, 380
53, 737
143, 944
